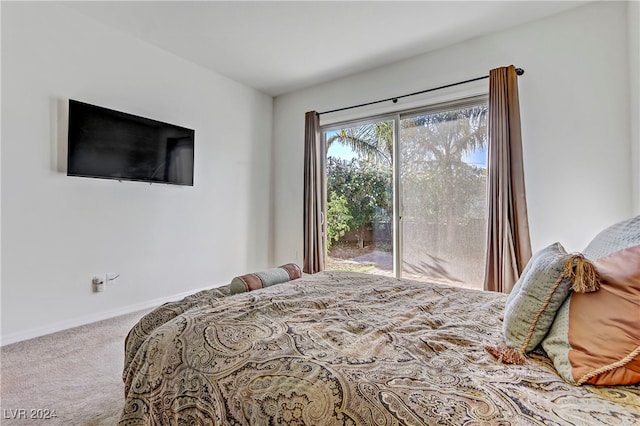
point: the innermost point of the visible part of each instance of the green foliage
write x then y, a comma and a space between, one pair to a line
338, 218
365, 187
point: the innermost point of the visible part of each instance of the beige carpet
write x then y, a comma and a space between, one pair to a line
76, 373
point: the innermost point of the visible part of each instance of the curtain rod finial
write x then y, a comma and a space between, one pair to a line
519, 71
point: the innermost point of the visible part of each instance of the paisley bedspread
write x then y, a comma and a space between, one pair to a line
339, 348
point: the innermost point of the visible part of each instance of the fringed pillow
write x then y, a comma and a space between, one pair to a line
601, 345
267, 278
545, 283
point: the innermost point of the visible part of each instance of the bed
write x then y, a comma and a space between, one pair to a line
341, 348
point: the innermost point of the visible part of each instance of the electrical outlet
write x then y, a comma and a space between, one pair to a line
98, 283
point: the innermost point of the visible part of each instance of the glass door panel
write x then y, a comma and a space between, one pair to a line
359, 213
442, 173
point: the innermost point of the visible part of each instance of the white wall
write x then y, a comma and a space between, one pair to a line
575, 121
634, 90
164, 240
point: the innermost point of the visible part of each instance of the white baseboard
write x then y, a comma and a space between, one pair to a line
88, 319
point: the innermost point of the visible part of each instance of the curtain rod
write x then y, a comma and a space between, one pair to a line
519, 71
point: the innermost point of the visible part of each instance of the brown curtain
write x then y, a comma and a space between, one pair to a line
508, 243
314, 182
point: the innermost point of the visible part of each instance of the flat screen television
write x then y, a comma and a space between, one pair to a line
109, 144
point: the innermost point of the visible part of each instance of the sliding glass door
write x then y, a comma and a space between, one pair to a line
406, 195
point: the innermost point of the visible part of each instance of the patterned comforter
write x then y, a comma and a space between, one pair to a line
339, 348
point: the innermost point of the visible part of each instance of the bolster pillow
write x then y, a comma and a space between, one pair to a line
267, 278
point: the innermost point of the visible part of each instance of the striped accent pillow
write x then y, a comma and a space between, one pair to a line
257, 280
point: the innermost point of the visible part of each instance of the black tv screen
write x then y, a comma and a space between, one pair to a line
109, 144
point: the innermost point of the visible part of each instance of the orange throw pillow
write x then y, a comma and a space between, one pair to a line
604, 327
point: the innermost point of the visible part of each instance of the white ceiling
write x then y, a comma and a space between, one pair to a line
281, 46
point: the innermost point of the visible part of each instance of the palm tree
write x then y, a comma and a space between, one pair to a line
373, 142
448, 135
